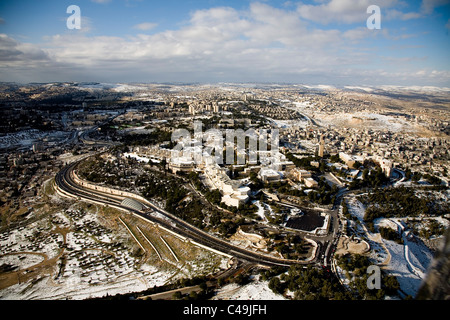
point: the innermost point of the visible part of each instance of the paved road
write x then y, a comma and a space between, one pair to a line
65, 183
168, 295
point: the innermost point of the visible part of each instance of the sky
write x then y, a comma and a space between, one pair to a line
212, 41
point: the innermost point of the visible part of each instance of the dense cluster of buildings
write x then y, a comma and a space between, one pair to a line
271, 167
295, 111
384, 146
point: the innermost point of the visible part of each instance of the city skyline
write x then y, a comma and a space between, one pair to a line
319, 42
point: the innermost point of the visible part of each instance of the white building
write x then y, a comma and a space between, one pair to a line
183, 164
269, 175
311, 183
349, 159
234, 194
299, 174
237, 197
386, 166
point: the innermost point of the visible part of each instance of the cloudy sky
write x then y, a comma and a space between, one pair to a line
308, 42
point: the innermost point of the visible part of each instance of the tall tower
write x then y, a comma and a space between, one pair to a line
216, 107
192, 109
321, 146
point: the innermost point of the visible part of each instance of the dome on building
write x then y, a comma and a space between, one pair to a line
133, 204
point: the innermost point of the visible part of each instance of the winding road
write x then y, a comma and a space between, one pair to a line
66, 186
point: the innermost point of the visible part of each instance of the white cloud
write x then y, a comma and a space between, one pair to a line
87, 25
101, 1
261, 43
145, 26
358, 34
395, 14
341, 11
13, 53
428, 6
261, 40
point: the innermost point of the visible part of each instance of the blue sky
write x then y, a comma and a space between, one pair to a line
309, 42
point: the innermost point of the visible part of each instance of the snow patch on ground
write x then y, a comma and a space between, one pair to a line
96, 260
45, 289
260, 211
408, 261
398, 266
356, 208
256, 290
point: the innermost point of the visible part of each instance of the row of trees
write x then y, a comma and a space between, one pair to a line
394, 202
309, 284
390, 234
304, 162
431, 228
355, 267
152, 138
416, 176
370, 179
354, 262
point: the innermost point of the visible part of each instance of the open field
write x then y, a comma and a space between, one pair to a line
77, 251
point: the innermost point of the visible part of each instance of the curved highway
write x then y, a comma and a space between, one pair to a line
68, 186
